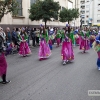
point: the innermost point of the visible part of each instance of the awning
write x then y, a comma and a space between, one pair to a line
96, 25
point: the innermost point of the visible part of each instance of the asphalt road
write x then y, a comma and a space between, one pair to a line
32, 79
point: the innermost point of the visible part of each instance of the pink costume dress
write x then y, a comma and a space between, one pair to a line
24, 48
3, 64
67, 50
44, 50
84, 44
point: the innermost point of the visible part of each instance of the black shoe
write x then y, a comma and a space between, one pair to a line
5, 82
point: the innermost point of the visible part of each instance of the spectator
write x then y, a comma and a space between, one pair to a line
28, 31
33, 35
14, 36
8, 35
37, 36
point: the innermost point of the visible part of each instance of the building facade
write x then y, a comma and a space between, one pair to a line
22, 19
90, 12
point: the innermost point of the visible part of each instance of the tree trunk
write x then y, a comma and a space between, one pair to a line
74, 22
0, 19
45, 23
1, 16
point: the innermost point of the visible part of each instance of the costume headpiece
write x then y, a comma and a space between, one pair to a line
67, 25
41, 25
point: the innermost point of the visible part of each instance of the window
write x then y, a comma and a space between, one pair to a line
99, 15
19, 13
98, 20
70, 5
32, 1
63, 8
83, 22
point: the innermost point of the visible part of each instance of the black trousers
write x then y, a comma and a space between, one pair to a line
33, 40
37, 40
4, 77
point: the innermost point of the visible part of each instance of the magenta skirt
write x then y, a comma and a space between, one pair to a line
77, 41
24, 49
98, 54
67, 51
84, 45
58, 41
3, 64
44, 50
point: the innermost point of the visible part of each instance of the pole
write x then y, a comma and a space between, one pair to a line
81, 22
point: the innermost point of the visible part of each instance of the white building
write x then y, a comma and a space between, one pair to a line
23, 15
90, 12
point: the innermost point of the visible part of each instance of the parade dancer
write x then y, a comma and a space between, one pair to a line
58, 36
84, 45
96, 46
3, 63
62, 35
24, 49
67, 50
44, 50
76, 36
51, 32
72, 37
92, 38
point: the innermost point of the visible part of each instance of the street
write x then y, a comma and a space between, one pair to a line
32, 79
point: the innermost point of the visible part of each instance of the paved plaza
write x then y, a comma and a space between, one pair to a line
32, 79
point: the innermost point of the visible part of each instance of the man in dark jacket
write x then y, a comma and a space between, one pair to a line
33, 35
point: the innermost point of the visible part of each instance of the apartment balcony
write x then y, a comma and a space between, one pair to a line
83, 4
82, 10
82, 13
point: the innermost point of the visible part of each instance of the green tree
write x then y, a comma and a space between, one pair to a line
75, 13
44, 10
7, 6
68, 15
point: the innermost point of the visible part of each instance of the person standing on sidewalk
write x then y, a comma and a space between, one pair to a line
33, 35
37, 36
8, 35
3, 63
